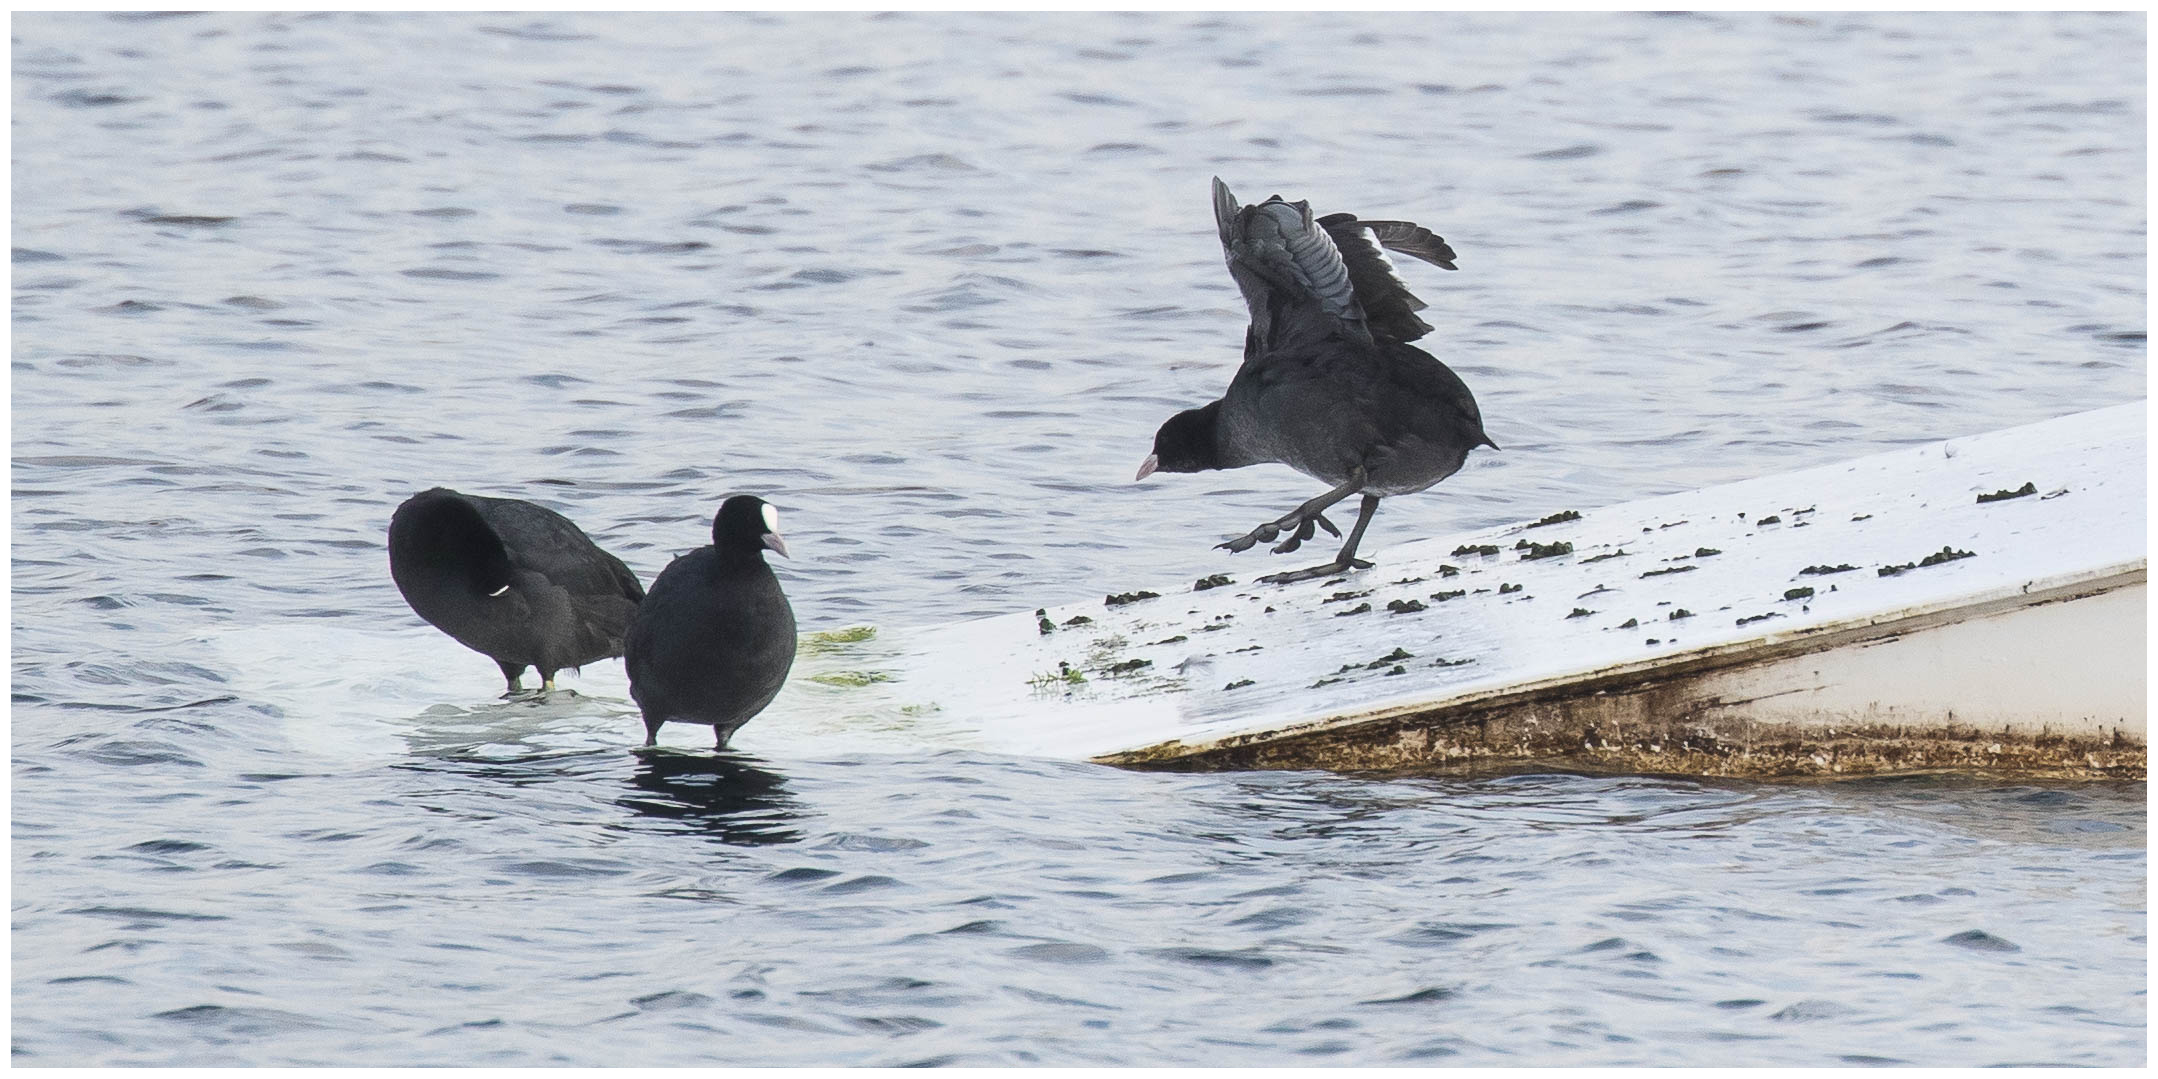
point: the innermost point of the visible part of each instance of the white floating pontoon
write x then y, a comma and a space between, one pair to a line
1973, 604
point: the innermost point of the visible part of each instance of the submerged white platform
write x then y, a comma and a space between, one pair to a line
1675, 635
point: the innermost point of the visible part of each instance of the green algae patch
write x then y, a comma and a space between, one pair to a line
850, 679
1064, 675
833, 640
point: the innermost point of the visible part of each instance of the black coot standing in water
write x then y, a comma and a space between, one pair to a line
1330, 385
514, 581
714, 640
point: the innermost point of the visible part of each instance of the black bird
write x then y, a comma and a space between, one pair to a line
1330, 385
514, 581
713, 642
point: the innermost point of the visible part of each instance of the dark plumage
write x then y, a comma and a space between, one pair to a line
1330, 385
516, 582
713, 642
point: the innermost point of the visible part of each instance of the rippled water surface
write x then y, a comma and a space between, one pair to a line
929, 283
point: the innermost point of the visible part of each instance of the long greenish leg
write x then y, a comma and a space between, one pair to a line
1293, 520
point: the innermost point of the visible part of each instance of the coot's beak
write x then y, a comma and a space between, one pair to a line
774, 541
1147, 467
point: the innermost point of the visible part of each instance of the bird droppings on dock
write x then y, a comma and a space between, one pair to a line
2029, 488
1798, 593
1945, 554
1122, 598
1395, 656
1476, 548
1218, 580
1404, 606
1561, 517
1816, 571
1668, 569
1543, 550
1620, 553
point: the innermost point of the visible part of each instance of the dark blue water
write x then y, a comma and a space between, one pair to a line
929, 283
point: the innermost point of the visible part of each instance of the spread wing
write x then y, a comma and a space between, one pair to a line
1293, 278
1389, 307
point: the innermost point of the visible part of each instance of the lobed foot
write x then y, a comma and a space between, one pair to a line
1303, 532
1297, 523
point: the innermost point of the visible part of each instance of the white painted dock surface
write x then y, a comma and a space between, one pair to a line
1675, 635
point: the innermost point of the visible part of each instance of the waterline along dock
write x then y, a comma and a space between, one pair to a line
1974, 604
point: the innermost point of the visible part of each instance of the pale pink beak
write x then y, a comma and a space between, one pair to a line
1147, 467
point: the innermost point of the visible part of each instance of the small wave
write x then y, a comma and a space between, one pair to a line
1566, 153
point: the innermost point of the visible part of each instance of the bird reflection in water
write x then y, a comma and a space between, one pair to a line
725, 796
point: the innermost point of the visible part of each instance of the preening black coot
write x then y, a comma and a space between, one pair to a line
1330, 385
514, 581
714, 640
